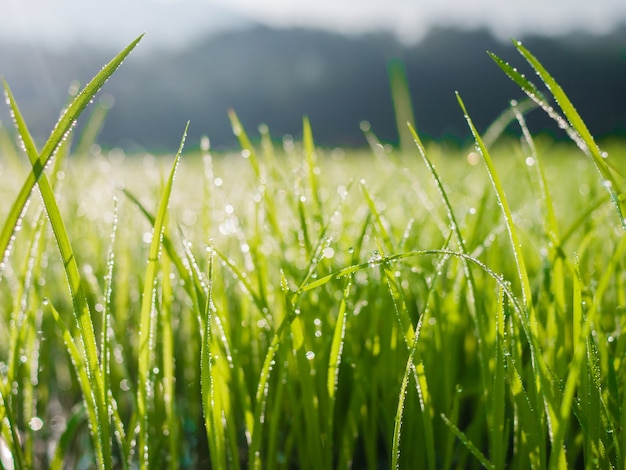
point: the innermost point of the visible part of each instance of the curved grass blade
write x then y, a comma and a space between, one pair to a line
82, 374
508, 216
62, 127
471, 447
497, 127
578, 130
146, 326
81, 311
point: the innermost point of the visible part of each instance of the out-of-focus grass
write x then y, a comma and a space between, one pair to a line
296, 307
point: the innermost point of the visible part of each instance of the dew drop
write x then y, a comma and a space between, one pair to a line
35, 423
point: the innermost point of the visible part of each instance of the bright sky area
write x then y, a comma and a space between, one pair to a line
171, 23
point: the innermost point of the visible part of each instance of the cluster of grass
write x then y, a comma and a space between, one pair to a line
297, 308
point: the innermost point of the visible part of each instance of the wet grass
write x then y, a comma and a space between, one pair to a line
293, 307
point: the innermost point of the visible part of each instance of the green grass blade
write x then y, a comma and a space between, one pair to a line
168, 353
381, 224
63, 126
408, 372
499, 125
471, 447
401, 98
508, 216
74, 423
497, 398
146, 326
580, 134
81, 311
97, 407
212, 412
336, 348
244, 141
309, 150
82, 371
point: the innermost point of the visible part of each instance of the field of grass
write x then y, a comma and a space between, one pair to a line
292, 307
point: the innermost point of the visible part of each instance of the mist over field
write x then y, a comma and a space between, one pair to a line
275, 76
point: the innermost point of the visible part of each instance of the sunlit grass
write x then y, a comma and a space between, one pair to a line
287, 306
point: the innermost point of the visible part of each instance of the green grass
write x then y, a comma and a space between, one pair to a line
300, 307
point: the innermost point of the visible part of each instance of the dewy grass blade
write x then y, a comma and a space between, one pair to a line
82, 371
96, 401
499, 125
212, 412
334, 361
168, 353
497, 398
379, 219
146, 342
412, 369
508, 216
82, 314
582, 135
472, 448
63, 126
309, 150
244, 141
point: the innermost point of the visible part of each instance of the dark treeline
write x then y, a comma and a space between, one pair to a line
275, 77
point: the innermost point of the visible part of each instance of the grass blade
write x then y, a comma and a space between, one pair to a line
579, 131
212, 412
60, 131
508, 216
471, 447
146, 326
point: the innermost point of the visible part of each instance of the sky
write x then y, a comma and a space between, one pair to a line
173, 23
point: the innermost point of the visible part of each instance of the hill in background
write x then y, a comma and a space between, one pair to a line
275, 77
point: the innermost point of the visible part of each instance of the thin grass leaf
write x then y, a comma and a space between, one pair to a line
73, 425
63, 126
414, 367
146, 328
309, 151
336, 348
582, 135
496, 398
484, 461
81, 367
168, 353
508, 216
10, 430
82, 314
499, 125
212, 411
386, 236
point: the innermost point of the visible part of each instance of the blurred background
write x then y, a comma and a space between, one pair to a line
276, 61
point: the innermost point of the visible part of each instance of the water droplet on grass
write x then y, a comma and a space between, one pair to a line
375, 258
35, 423
310, 355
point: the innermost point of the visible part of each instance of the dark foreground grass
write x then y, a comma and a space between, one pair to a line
290, 307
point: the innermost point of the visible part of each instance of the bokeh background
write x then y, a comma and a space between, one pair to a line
275, 61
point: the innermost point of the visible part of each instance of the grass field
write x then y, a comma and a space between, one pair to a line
292, 307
